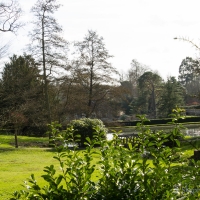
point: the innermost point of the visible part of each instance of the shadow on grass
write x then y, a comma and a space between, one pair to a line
24, 148
7, 149
54, 149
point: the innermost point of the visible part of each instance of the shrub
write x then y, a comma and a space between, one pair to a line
37, 131
125, 173
85, 127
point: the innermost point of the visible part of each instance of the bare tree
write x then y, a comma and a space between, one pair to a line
47, 46
10, 12
93, 69
136, 70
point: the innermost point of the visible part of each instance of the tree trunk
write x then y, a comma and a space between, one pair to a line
47, 105
16, 139
45, 76
90, 91
154, 103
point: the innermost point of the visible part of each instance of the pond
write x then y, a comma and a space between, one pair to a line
191, 130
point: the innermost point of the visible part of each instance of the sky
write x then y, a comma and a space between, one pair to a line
132, 29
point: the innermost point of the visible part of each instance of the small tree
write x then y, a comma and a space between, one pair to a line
19, 120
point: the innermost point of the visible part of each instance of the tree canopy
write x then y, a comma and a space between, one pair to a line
21, 92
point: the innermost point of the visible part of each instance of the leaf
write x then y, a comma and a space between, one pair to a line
32, 176
130, 146
59, 179
151, 144
177, 142
88, 140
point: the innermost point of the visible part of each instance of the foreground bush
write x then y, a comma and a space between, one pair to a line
125, 172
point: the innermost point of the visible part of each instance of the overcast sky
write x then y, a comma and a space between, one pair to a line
132, 29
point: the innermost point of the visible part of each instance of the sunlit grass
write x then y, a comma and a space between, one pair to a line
16, 165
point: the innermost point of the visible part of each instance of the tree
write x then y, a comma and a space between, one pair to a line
189, 78
93, 71
47, 46
188, 71
149, 84
127, 96
130, 84
172, 96
9, 16
21, 94
73, 100
195, 65
136, 70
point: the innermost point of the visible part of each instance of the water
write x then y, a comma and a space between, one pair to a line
193, 132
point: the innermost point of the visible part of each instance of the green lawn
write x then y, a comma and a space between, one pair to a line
16, 165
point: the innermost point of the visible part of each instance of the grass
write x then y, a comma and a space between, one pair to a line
16, 165
24, 141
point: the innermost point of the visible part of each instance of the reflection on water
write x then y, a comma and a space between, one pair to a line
193, 132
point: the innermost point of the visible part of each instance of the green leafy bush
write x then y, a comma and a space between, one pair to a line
85, 127
125, 172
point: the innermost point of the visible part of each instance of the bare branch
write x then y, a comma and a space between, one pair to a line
9, 16
188, 40
4, 50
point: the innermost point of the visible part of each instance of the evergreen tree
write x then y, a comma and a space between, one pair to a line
149, 88
21, 93
172, 96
